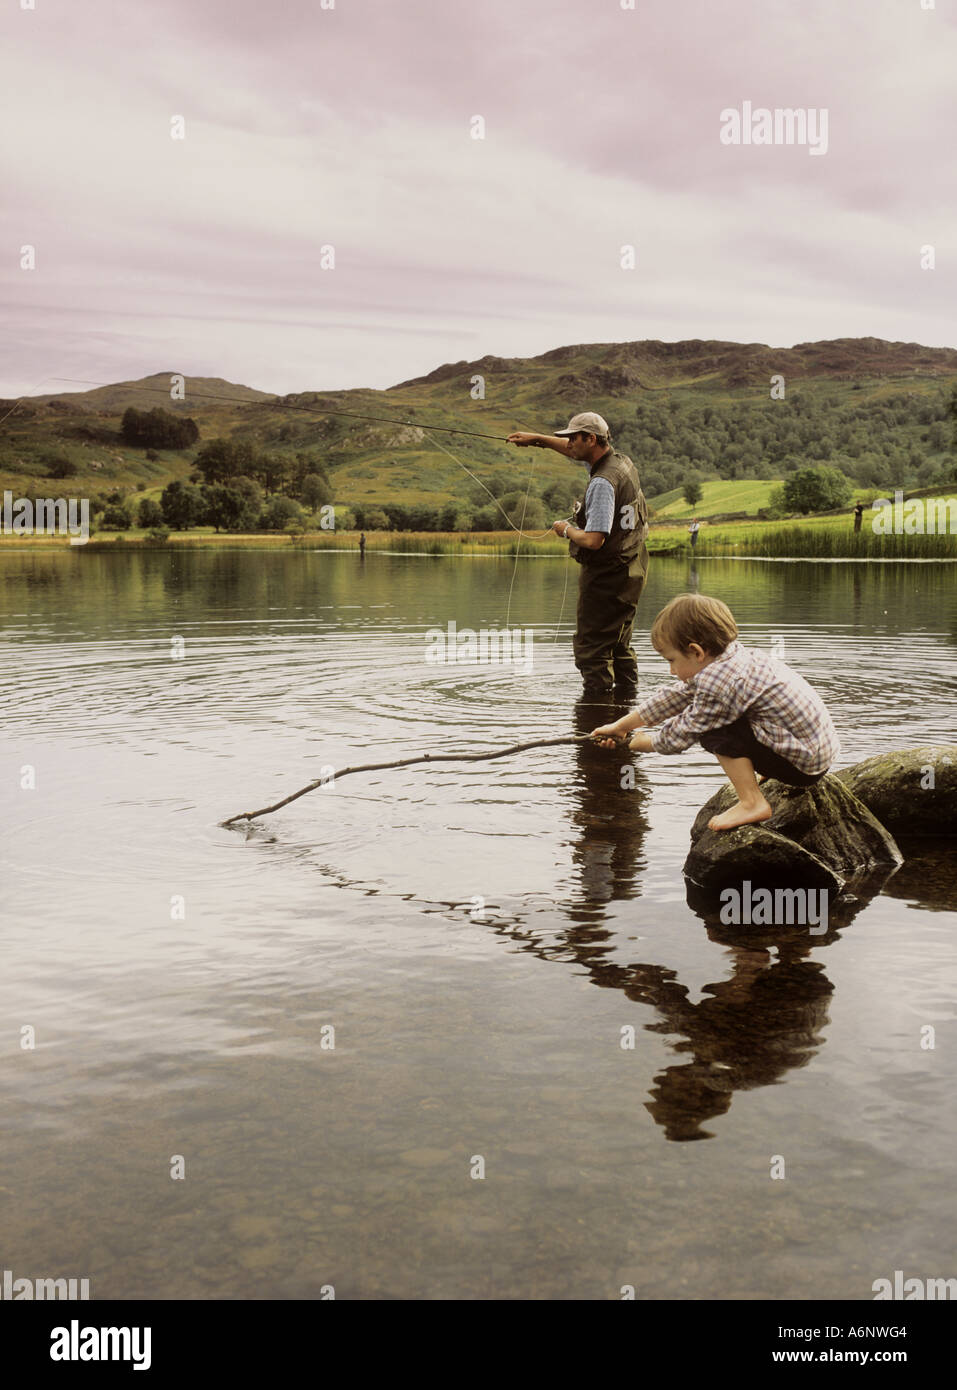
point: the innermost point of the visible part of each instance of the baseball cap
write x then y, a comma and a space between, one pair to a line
587, 423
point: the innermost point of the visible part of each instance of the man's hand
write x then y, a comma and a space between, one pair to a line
522, 438
559, 527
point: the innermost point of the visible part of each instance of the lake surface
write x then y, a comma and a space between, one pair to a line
477, 935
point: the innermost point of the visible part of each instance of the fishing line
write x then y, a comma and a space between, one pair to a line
561, 611
21, 399
532, 535
518, 545
535, 535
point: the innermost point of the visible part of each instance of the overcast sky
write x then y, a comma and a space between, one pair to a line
352, 127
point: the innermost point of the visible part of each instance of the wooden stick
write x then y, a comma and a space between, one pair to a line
407, 762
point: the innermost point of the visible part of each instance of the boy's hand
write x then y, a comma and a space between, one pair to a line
607, 735
640, 742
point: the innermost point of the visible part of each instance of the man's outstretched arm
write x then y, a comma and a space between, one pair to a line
539, 441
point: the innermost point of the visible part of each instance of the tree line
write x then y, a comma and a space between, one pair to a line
819, 445
883, 443
232, 488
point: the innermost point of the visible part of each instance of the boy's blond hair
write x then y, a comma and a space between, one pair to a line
694, 618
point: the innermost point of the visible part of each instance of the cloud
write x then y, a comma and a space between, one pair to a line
350, 127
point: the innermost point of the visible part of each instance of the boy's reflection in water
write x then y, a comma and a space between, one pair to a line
747, 1031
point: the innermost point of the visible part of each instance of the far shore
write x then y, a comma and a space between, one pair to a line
820, 538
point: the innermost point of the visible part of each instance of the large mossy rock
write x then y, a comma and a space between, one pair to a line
912, 791
818, 837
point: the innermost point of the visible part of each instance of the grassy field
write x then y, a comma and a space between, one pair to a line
830, 537
719, 495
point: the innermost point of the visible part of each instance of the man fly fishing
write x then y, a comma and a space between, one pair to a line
607, 538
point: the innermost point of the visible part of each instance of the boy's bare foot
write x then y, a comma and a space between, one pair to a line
741, 814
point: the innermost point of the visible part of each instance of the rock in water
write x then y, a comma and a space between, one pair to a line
818, 837
912, 791
726, 858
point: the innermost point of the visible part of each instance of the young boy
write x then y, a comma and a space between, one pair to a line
749, 709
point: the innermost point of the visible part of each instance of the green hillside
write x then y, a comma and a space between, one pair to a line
880, 412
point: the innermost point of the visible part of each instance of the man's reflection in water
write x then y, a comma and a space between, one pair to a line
611, 797
747, 1031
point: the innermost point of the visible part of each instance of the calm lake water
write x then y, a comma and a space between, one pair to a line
478, 936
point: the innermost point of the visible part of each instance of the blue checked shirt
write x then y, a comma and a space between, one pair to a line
782, 709
599, 506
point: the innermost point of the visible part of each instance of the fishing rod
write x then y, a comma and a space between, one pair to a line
317, 410
354, 414
287, 405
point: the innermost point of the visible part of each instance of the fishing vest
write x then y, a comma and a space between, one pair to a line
630, 524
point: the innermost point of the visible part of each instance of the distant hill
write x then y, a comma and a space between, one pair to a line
151, 391
614, 368
877, 410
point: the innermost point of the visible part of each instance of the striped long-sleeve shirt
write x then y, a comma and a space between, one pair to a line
782, 709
